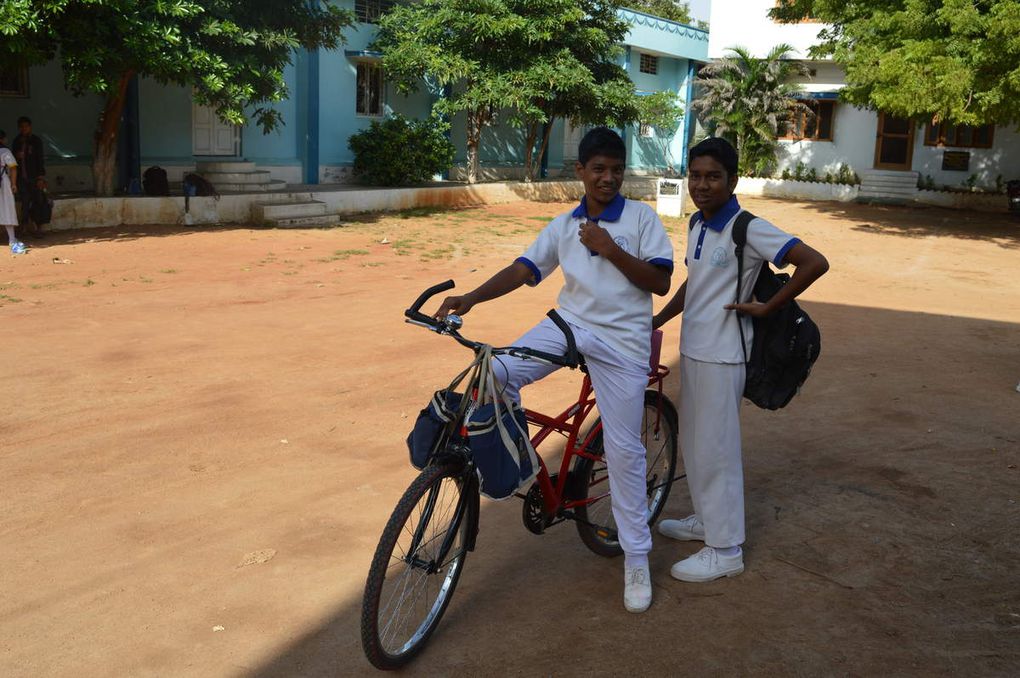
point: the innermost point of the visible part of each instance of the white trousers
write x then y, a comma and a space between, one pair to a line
619, 383
710, 395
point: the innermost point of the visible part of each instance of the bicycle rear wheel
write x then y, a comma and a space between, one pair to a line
595, 523
417, 564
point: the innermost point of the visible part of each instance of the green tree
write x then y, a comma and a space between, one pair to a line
746, 99
528, 61
573, 75
663, 113
674, 10
232, 52
947, 60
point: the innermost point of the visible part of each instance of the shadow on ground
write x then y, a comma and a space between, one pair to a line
923, 221
882, 509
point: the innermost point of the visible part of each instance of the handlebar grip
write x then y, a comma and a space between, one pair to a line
571, 355
413, 312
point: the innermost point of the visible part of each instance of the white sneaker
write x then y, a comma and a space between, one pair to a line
637, 590
706, 565
685, 529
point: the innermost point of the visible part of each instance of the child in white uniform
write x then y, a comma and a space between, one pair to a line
712, 361
614, 254
8, 184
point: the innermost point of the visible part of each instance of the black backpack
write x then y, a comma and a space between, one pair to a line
785, 345
154, 181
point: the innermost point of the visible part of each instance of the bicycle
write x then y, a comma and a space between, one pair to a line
421, 553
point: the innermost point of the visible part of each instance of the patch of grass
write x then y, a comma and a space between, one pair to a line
420, 212
438, 253
372, 264
342, 255
144, 279
6, 299
168, 270
544, 220
89, 282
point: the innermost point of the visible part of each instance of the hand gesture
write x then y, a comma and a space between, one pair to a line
595, 238
459, 305
755, 309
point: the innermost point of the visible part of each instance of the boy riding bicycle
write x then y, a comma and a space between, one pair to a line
614, 254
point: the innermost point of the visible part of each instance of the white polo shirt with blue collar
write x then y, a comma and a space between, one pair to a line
709, 332
596, 295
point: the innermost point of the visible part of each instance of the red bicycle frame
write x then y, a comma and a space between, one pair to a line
569, 423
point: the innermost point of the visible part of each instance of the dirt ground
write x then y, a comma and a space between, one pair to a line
202, 437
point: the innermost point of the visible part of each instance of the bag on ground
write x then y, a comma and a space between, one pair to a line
154, 181
203, 187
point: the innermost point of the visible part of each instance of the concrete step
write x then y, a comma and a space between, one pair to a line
888, 184
224, 166
258, 177
266, 211
883, 196
273, 186
889, 173
890, 187
305, 222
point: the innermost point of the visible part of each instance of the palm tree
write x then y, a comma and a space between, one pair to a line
746, 99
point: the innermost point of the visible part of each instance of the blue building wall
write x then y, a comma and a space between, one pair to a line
319, 116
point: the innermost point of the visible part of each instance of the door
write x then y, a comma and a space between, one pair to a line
212, 136
894, 146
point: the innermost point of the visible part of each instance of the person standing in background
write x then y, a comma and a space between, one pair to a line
8, 185
29, 153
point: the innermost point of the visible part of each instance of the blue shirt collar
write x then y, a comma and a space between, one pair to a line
612, 212
723, 216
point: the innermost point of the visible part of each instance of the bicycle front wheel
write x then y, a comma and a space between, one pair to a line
416, 566
595, 523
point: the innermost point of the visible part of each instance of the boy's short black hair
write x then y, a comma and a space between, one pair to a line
719, 149
601, 141
24, 119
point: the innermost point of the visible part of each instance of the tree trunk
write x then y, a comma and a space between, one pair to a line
546, 134
529, 152
104, 146
474, 133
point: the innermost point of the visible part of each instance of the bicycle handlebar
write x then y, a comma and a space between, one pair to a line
570, 359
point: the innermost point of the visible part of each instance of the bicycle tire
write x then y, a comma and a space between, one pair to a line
380, 650
595, 523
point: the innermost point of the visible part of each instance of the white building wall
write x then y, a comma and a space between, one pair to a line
853, 133
987, 163
746, 23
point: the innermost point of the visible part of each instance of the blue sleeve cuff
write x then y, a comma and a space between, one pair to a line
534, 269
665, 263
778, 261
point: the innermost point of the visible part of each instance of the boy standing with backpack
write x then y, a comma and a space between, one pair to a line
614, 254
713, 361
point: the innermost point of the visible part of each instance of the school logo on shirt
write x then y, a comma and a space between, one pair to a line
622, 242
720, 258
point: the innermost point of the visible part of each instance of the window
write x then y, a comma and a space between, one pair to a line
369, 11
13, 82
815, 127
645, 130
962, 136
370, 89
649, 64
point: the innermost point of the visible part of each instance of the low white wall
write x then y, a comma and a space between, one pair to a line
800, 190
71, 213
979, 202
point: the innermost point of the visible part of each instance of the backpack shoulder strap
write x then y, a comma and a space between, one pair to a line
739, 235
690, 224
740, 228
